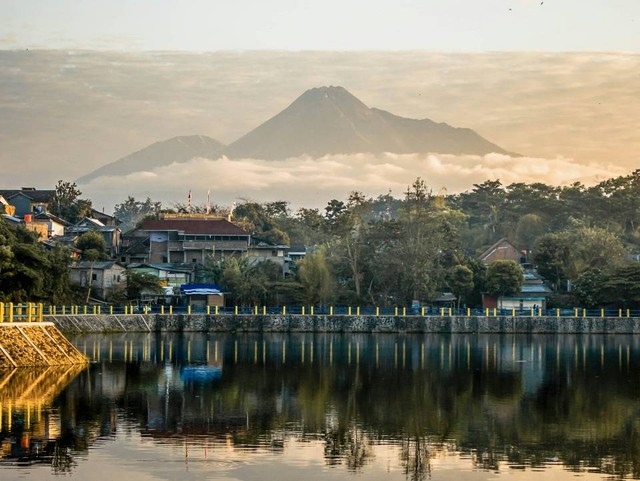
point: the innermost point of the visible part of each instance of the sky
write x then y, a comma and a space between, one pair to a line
85, 83
206, 25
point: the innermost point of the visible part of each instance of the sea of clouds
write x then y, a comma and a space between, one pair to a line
307, 182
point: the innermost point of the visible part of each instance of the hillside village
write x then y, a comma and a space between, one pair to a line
425, 249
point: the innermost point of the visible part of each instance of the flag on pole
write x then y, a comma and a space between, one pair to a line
208, 201
189, 200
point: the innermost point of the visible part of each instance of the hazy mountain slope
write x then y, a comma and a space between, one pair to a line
177, 149
330, 120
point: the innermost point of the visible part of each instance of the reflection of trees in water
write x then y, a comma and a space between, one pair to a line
351, 445
415, 457
580, 415
62, 460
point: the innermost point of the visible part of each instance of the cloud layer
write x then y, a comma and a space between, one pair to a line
63, 114
312, 182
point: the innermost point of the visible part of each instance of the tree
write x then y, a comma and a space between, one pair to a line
528, 229
460, 280
504, 278
139, 283
552, 256
622, 285
67, 204
131, 211
316, 278
93, 246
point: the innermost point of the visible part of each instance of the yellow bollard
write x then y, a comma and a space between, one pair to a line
216, 310
404, 311
171, 309
10, 310
532, 312
236, 310
303, 310
442, 312
208, 310
349, 310
494, 312
311, 308
189, 309
126, 310
486, 312
84, 310
449, 312
331, 310
557, 312
358, 311
162, 309
628, 312
575, 312
619, 312
264, 310
1, 311
64, 310
396, 311
284, 310
601, 312
146, 309
584, 313
111, 310
513, 312
255, 310
377, 311
29, 312
422, 311
40, 312
468, 311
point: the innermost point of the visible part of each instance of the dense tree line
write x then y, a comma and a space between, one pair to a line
389, 251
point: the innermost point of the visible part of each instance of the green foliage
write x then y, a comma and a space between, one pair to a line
93, 246
131, 211
141, 282
30, 273
315, 278
67, 204
504, 278
460, 280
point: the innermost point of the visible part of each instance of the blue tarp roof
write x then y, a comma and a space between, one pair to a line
200, 289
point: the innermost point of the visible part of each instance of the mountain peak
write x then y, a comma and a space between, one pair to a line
331, 120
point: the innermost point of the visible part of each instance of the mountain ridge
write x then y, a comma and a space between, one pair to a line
322, 121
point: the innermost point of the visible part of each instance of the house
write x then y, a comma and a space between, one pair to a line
41, 230
102, 277
177, 239
169, 275
260, 251
105, 219
28, 200
55, 225
6, 208
111, 234
533, 294
202, 295
297, 252
503, 250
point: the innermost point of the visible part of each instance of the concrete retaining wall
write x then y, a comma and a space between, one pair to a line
297, 323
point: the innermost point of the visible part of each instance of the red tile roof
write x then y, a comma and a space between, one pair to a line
194, 226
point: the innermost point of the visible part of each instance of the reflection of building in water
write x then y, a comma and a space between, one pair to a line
28, 427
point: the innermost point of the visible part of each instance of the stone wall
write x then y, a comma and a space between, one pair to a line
297, 323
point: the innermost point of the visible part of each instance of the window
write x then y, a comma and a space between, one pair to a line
94, 277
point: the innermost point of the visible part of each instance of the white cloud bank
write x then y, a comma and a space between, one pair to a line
312, 182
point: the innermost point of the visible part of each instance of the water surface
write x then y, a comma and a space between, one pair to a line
324, 406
